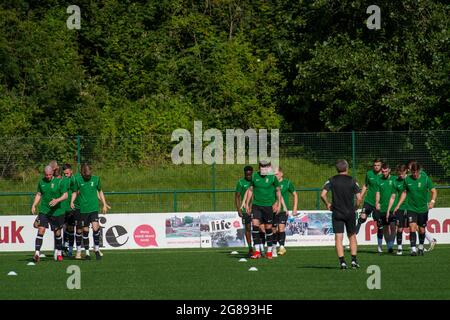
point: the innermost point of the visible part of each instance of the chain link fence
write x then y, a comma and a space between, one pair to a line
138, 175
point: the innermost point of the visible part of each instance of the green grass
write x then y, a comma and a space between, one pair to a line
303, 173
304, 273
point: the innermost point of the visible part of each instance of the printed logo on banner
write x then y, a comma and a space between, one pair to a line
145, 236
224, 225
116, 236
11, 233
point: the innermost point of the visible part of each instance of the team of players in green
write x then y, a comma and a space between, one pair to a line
262, 200
399, 202
68, 203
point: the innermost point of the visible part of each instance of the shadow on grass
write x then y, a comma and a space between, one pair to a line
318, 267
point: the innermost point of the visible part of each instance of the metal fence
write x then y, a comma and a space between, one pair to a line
138, 175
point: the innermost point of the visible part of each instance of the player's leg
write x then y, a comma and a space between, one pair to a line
247, 222
268, 221
256, 221
378, 218
422, 220
350, 226
86, 223
41, 224
338, 227
282, 233
275, 234
78, 232
96, 233
400, 224
364, 214
412, 220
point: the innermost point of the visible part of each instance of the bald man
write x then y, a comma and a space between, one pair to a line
50, 193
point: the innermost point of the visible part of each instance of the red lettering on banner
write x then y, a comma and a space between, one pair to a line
5, 237
433, 226
446, 223
15, 233
371, 228
16, 237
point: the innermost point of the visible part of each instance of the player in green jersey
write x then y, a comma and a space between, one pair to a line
401, 216
262, 191
69, 223
370, 183
88, 189
280, 219
417, 189
50, 193
429, 238
385, 190
239, 195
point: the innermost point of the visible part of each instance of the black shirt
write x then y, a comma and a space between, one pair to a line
343, 188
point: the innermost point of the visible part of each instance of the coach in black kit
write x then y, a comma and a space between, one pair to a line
343, 188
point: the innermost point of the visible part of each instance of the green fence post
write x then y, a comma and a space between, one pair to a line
174, 201
354, 173
78, 152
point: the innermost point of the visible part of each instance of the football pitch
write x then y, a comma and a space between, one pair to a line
196, 274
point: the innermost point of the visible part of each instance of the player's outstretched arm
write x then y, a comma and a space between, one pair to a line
238, 203
54, 202
37, 199
391, 202
400, 201
324, 198
433, 198
359, 200
377, 200
72, 201
280, 200
247, 198
106, 207
294, 209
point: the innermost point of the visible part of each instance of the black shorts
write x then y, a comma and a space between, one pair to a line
280, 218
52, 221
85, 219
420, 218
246, 218
368, 209
401, 219
380, 218
340, 221
262, 213
70, 218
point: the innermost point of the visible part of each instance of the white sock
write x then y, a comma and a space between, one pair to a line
269, 249
87, 252
413, 249
399, 247
59, 252
420, 246
37, 253
96, 248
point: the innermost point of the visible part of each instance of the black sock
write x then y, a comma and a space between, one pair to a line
262, 236
413, 238
353, 258
86, 240
78, 238
38, 244
421, 238
58, 242
399, 238
96, 237
341, 260
269, 235
282, 237
255, 236
275, 238
71, 238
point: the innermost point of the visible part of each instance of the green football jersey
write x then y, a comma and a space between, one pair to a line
73, 188
264, 189
87, 192
65, 205
286, 187
50, 190
371, 184
399, 187
418, 190
241, 187
386, 187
